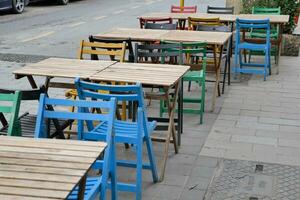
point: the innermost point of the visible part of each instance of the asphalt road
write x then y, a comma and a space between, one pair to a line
47, 29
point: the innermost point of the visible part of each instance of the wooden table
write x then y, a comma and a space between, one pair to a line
62, 68
44, 168
162, 75
274, 19
166, 76
216, 39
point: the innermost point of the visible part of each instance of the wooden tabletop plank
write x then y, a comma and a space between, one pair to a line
223, 17
20, 197
55, 141
152, 74
65, 68
29, 192
137, 34
36, 184
45, 168
33, 156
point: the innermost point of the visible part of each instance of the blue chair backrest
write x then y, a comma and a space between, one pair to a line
82, 114
135, 93
253, 24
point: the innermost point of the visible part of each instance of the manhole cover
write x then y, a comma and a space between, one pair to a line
246, 180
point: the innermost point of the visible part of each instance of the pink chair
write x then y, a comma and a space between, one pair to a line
184, 9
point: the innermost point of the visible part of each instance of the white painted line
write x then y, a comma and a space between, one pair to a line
38, 36
118, 12
99, 18
149, 2
135, 7
75, 24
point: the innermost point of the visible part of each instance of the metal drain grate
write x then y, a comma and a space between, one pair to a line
245, 180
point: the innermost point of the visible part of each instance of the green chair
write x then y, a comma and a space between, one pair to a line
10, 105
195, 56
262, 34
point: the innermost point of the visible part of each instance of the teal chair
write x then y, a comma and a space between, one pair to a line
10, 105
274, 32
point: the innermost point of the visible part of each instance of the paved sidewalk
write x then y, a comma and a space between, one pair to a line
260, 121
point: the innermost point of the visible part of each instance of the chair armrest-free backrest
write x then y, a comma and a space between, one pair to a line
242, 24
143, 21
184, 9
82, 115
116, 41
160, 51
266, 11
102, 48
194, 22
220, 10
14, 101
160, 26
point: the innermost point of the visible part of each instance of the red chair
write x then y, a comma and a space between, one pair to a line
166, 20
184, 9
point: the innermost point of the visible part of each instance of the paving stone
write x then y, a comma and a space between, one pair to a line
254, 140
259, 126
202, 171
192, 194
206, 161
279, 121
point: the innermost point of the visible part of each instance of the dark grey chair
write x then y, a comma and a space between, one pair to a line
160, 26
226, 51
220, 10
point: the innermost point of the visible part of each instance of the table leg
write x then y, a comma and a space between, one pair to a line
279, 47
32, 82
217, 65
81, 188
171, 131
180, 113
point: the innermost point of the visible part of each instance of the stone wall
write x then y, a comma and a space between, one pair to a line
237, 4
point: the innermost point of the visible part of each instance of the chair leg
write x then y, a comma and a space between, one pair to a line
113, 174
224, 75
189, 86
139, 167
151, 159
202, 102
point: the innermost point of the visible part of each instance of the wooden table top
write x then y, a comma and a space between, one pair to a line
148, 74
223, 17
64, 68
137, 34
43, 168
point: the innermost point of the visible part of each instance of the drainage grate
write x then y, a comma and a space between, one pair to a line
21, 58
247, 180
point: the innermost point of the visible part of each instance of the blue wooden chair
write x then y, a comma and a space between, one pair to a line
96, 184
134, 133
265, 47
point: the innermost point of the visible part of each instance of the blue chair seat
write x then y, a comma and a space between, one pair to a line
124, 131
92, 183
252, 46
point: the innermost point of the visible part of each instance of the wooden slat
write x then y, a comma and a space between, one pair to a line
223, 17
43, 168
66, 68
20, 197
29, 192
54, 141
36, 184
49, 151
50, 163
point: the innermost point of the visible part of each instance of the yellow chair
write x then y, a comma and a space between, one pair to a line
88, 51
193, 22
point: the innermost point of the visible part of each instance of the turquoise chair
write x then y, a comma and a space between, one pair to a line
252, 68
134, 133
98, 184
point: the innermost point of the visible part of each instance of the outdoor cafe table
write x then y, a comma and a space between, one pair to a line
45, 168
216, 39
161, 75
228, 18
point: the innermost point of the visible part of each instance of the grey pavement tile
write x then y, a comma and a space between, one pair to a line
202, 171
206, 161
163, 191
192, 195
197, 183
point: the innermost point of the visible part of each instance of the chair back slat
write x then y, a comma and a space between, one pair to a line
164, 20
83, 113
220, 10
10, 104
213, 28
160, 26
194, 22
102, 48
268, 11
114, 41
184, 9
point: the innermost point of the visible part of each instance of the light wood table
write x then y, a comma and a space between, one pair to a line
166, 76
227, 18
44, 168
216, 39
61, 68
